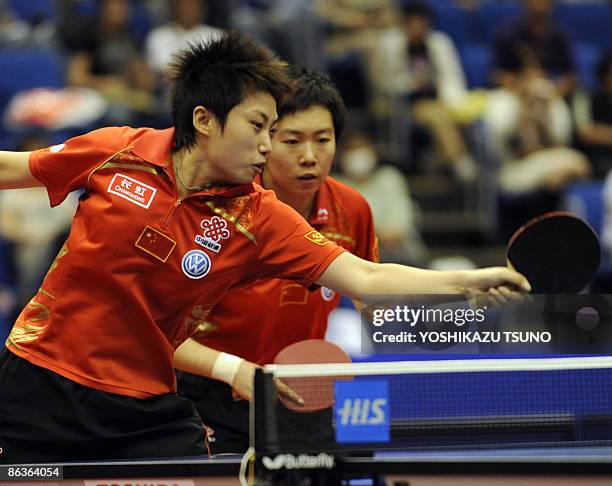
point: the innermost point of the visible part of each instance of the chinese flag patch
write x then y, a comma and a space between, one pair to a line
293, 294
155, 243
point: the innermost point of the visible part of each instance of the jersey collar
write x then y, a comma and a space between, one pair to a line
321, 208
155, 146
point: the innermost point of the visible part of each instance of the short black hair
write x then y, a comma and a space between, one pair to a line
417, 8
218, 74
313, 88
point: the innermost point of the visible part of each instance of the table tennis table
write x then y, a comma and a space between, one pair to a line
535, 419
558, 466
571, 410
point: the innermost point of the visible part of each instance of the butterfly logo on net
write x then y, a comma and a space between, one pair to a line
302, 461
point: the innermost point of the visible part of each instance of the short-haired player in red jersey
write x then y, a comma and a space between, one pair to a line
255, 322
169, 222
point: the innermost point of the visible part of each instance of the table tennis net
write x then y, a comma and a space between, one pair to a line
440, 404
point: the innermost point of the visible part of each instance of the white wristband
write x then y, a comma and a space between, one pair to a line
225, 367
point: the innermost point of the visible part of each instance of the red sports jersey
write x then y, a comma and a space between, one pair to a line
141, 268
257, 321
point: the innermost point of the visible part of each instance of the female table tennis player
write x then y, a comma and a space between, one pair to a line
169, 222
250, 325
258, 321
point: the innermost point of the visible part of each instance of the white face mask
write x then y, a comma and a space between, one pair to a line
359, 162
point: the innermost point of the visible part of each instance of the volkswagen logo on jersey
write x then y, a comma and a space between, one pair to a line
196, 264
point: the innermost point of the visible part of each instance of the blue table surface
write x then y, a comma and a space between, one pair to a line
530, 454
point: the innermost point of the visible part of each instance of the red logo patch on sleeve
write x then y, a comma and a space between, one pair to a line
316, 237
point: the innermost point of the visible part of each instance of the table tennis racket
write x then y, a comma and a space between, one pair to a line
316, 392
558, 253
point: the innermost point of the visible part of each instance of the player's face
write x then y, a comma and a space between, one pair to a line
303, 149
239, 153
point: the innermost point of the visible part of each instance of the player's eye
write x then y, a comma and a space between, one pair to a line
257, 125
324, 140
290, 141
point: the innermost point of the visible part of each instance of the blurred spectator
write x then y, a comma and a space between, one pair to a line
469, 4
534, 46
530, 52
292, 28
12, 30
423, 66
535, 155
606, 230
15, 31
386, 190
219, 12
107, 56
593, 117
33, 228
354, 25
528, 119
186, 25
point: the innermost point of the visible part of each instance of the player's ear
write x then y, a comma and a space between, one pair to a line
202, 120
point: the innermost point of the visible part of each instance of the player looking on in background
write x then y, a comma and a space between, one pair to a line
87, 372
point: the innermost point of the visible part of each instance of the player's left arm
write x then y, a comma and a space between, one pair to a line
355, 277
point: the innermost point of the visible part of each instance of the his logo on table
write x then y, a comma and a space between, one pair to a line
362, 411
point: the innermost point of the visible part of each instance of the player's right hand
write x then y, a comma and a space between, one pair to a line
242, 386
287, 392
495, 286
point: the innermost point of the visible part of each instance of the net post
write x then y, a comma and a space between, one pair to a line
262, 425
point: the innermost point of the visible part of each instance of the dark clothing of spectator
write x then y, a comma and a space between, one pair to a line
601, 106
108, 56
517, 48
421, 65
599, 112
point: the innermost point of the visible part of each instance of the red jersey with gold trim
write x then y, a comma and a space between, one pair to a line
258, 321
141, 268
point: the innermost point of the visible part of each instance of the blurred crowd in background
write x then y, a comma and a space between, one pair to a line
466, 117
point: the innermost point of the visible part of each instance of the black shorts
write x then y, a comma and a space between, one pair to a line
226, 418
45, 417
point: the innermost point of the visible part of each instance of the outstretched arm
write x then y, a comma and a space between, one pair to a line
356, 278
15, 171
